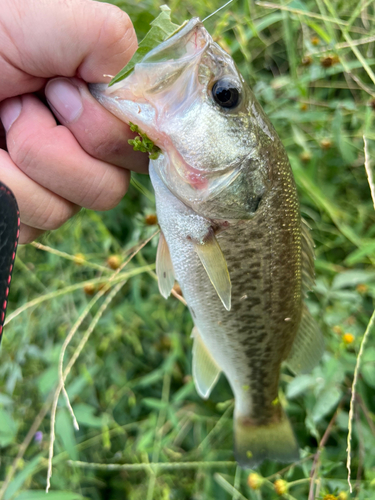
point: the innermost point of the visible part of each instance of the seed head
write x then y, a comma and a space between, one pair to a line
255, 481
281, 486
151, 220
114, 262
89, 289
325, 143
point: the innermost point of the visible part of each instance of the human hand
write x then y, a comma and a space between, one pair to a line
84, 161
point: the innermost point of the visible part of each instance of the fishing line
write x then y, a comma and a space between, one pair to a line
218, 10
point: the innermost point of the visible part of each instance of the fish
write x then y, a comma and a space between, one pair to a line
231, 230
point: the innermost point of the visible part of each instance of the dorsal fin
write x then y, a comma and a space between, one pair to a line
308, 346
214, 262
164, 267
205, 370
308, 257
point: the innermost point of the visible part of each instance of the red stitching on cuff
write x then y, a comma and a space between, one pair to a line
8, 192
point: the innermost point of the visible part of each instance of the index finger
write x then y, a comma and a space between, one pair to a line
74, 38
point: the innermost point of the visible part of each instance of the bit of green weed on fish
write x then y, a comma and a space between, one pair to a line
142, 143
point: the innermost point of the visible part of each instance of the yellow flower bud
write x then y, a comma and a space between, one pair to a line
348, 338
114, 261
79, 259
281, 486
342, 496
255, 481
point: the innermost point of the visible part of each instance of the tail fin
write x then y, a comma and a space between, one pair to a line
255, 443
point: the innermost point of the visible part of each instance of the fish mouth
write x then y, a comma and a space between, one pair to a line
152, 79
165, 83
151, 94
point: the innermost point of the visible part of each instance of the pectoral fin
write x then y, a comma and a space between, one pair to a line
164, 268
216, 267
205, 370
308, 345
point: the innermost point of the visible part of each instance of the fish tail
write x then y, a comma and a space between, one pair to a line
255, 443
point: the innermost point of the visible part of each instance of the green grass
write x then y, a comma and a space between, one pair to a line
311, 65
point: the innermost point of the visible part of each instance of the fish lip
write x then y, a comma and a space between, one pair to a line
97, 89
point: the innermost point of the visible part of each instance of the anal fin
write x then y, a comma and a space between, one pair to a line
205, 370
164, 268
308, 346
214, 262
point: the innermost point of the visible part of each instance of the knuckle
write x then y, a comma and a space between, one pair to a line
54, 214
118, 31
109, 191
25, 150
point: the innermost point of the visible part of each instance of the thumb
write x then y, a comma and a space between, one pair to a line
47, 38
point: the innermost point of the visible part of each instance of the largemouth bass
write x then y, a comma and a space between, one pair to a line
231, 230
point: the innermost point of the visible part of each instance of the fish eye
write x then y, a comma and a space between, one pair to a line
226, 93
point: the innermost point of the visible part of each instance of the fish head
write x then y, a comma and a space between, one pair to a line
188, 96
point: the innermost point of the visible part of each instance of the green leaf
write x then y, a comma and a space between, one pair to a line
319, 31
161, 28
21, 477
366, 250
346, 149
65, 430
326, 402
85, 415
52, 495
352, 278
154, 404
368, 366
299, 385
8, 428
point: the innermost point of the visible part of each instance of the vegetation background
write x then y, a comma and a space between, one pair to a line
311, 65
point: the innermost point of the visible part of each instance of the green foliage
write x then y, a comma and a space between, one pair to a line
142, 143
131, 387
161, 28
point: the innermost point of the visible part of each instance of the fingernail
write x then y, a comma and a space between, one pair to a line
9, 111
65, 99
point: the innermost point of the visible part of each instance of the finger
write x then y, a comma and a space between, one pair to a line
28, 234
100, 133
74, 38
39, 208
50, 155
